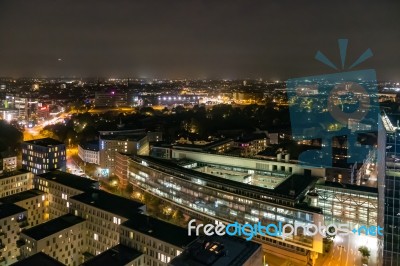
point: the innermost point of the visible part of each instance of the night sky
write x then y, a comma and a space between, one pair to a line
178, 39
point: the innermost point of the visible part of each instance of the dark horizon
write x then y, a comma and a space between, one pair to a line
189, 39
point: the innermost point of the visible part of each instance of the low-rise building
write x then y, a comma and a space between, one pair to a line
89, 152
61, 238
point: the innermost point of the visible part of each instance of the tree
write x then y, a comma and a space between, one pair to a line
365, 252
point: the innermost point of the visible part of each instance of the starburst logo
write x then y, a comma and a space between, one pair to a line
334, 105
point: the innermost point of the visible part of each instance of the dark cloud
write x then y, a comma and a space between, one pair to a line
270, 39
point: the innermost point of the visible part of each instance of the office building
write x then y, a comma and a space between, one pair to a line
89, 152
215, 198
129, 144
110, 99
43, 155
389, 189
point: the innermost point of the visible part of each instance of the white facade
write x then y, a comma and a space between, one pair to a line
89, 156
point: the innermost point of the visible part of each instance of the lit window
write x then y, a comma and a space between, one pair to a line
96, 237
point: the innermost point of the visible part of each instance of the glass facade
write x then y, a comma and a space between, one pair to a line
226, 202
391, 245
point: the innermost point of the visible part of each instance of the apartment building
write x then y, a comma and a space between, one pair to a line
34, 201
12, 219
61, 238
60, 186
118, 255
15, 182
104, 212
159, 241
39, 258
43, 155
217, 250
8, 162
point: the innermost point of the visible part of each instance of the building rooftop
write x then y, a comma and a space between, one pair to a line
123, 137
8, 209
201, 147
24, 195
109, 202
292, 188
45, 142
53, 226
164, 231
70, 180
348, 186
40, 258
90, 145
118, 255
217, 251
13, 173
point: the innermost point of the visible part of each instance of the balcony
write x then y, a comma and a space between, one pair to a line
23, 224
20, 243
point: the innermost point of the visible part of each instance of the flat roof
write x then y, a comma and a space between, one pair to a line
291, 188
330, 184
40, 258
53, 226
217, 251
90, 145
46, 142
109, 202
118, 255
9, 209
123, 137
14, 173
162, 230
24, 195
70, 180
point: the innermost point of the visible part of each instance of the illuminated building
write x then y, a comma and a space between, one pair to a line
110, 99
389, 189
15, 182
222, 198
43, 155
89, 152
60, 238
